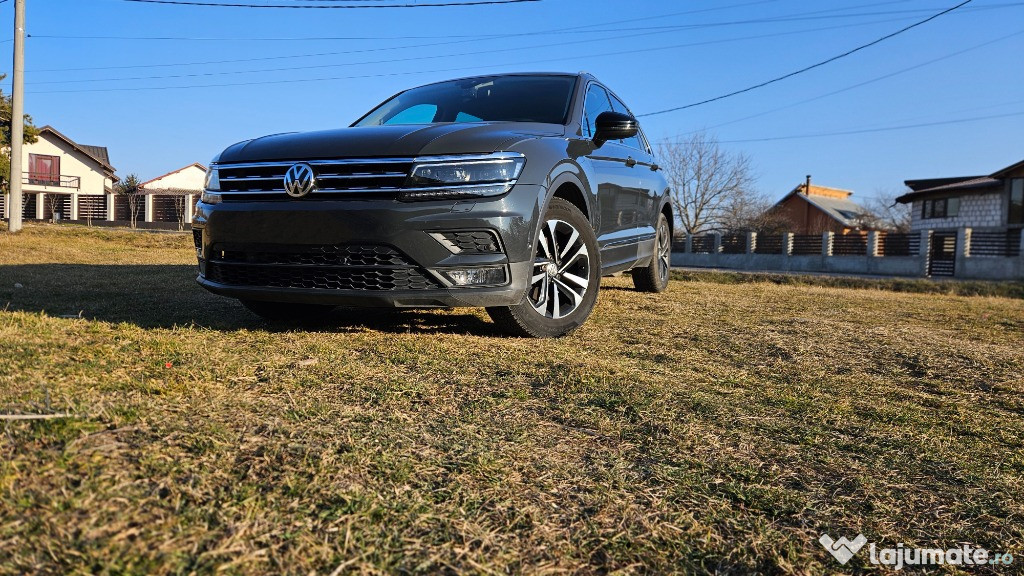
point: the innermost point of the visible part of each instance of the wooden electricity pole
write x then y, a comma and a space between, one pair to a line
17, 116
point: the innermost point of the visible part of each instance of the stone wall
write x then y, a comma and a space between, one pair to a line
976, 211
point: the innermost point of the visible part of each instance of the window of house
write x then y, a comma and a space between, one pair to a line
43, 170
1016, 201
940, 208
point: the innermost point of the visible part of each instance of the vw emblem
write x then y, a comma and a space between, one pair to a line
299, 180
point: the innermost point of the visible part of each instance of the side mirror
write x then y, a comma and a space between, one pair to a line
614, 126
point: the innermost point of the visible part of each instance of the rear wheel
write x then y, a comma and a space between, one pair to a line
287, 311
654, 277
565, 278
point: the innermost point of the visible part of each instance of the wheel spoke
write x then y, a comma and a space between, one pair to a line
581, 282
570, 243
555, 292
581, 252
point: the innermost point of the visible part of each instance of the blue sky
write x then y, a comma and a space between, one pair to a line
163, 86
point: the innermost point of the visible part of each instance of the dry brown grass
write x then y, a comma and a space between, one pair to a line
716, 428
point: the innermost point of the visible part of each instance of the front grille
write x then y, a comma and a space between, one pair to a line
265, 180
328, 267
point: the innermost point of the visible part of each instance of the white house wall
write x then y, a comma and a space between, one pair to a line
976, 211
72, 163
191, 178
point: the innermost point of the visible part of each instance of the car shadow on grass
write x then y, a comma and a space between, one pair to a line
167, 296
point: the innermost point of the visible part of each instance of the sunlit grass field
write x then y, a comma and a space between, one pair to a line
718, 428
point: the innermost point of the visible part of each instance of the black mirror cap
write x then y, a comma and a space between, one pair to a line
614, 126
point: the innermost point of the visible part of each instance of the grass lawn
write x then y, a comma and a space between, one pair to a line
720, 427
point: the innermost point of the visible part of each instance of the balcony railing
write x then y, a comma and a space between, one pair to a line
61, 181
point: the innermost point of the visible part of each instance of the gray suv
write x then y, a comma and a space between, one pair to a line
514, 192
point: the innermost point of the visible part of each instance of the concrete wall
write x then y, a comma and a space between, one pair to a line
976, 211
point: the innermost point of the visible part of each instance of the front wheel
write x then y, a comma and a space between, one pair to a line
654, 277
565, 277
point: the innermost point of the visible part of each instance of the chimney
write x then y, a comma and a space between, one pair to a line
807, 186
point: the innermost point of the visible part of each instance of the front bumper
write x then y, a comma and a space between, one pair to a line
258, 250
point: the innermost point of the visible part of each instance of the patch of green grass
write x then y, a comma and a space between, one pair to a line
720, 427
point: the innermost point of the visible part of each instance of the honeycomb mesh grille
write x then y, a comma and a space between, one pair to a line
480, 242
334, 267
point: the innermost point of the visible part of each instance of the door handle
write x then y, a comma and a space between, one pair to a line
630, 161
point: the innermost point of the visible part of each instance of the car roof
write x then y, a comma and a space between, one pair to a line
506, 74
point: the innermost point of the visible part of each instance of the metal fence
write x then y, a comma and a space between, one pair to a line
806, 244
995, 244
892, 244
769, 244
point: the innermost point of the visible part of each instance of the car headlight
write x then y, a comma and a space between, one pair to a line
212, 182
471, 178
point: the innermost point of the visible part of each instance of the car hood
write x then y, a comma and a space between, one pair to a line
389, 141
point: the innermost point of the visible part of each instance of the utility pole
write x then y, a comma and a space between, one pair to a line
17, 115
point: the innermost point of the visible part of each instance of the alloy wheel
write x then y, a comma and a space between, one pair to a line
664, 251
560, 271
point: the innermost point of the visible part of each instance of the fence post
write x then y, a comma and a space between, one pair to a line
872, 244
40, 206
826, 243
787, 243
688, 249
718, 243
111, 207
925, 251
751, 242
190, 206
147, 207
74, 206
1020, 254
963, 241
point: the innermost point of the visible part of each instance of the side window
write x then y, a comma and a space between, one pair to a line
633, 142
596, 103
418, 114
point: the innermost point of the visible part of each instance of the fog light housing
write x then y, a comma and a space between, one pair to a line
481, 276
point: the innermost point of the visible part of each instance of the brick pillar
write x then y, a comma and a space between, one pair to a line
718, 243
787, 243
40, 205
111, 200
689, 244
147, 208
872, 244
190, 207
963, 242
826, 243
751, 242
925, 251
74, 206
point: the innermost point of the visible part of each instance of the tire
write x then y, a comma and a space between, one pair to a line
565, 279
654, 277
288, 312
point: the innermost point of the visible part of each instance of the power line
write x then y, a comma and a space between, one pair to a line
428, 57
873, 130
460, 68
870, 81
811, 67
329, 6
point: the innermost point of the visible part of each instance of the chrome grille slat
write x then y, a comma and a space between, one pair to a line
334, 177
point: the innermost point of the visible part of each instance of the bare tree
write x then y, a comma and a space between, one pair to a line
130, 188
705, 180
886, 213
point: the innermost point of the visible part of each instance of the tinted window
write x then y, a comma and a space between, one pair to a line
490, 99
418, 114
1017, 201
596, 103
633, 142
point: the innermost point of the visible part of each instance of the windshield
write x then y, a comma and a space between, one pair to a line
488, 99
